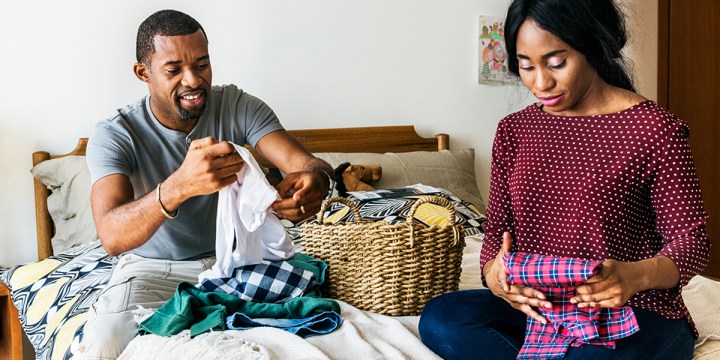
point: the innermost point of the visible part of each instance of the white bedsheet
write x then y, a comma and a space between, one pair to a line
702, 298
366, 335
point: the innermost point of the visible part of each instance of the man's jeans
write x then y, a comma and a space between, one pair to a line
135, 281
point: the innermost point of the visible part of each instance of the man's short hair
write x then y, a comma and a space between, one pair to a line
163, 23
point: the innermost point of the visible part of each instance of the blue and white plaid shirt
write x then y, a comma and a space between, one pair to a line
268, 282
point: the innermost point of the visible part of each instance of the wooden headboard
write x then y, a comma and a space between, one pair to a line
377, 139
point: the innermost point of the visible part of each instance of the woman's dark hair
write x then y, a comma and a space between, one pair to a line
595, 28
163, 23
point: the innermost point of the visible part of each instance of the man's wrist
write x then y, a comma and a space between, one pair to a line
163, 210
322, 168
330, 178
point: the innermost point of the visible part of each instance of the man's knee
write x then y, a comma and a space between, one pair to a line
106, 335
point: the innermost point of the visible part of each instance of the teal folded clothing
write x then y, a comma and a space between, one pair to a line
309, 263
317, 267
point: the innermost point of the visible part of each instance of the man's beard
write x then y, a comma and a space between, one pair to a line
190, 114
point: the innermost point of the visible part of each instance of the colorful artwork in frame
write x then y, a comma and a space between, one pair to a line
493, 64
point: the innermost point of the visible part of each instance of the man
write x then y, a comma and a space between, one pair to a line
157, 166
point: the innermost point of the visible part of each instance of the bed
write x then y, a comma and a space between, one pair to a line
54, 293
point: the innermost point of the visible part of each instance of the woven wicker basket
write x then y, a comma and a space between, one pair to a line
385, 268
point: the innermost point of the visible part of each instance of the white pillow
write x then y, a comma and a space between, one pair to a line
68, 179
453, 170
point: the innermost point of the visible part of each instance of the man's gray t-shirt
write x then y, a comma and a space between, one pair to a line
135, 144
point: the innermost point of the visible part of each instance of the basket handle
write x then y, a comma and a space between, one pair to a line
435, 200
342, 200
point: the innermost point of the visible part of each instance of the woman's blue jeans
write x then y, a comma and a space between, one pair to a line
475, 324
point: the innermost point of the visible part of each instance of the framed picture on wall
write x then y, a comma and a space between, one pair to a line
492, 56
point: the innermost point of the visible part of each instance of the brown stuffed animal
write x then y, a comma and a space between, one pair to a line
356, 177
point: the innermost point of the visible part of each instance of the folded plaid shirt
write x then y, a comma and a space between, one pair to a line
567, 325
268, 281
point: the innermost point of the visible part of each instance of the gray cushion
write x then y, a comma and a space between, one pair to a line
68, 179
452, 170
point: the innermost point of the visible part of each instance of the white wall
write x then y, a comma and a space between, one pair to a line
318, 63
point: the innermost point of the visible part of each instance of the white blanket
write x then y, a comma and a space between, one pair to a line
366, 335
702, 298
216, 345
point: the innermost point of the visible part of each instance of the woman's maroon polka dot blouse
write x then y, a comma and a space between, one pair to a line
618, 186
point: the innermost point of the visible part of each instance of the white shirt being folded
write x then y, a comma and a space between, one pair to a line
244, 219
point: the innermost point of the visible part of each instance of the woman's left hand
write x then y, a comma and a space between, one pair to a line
612, 287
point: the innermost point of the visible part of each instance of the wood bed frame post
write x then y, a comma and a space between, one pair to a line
44, 228
443, 141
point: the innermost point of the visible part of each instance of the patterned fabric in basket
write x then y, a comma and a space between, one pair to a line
393, 206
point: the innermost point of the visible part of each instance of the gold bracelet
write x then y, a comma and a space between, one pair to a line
162, 207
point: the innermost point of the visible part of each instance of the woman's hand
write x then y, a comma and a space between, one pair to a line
612, 287
519, 297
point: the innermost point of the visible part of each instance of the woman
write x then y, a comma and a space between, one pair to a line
592, 171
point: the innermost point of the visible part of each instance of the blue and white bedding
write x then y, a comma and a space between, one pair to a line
53, 296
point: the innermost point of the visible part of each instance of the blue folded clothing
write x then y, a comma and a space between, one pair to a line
318, 324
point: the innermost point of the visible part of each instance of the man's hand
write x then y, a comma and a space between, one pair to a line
519, 297
208, 167
302, 194
305, 185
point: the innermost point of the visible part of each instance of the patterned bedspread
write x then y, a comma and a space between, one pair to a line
53, 295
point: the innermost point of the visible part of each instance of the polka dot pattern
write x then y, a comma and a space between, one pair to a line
617, 186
